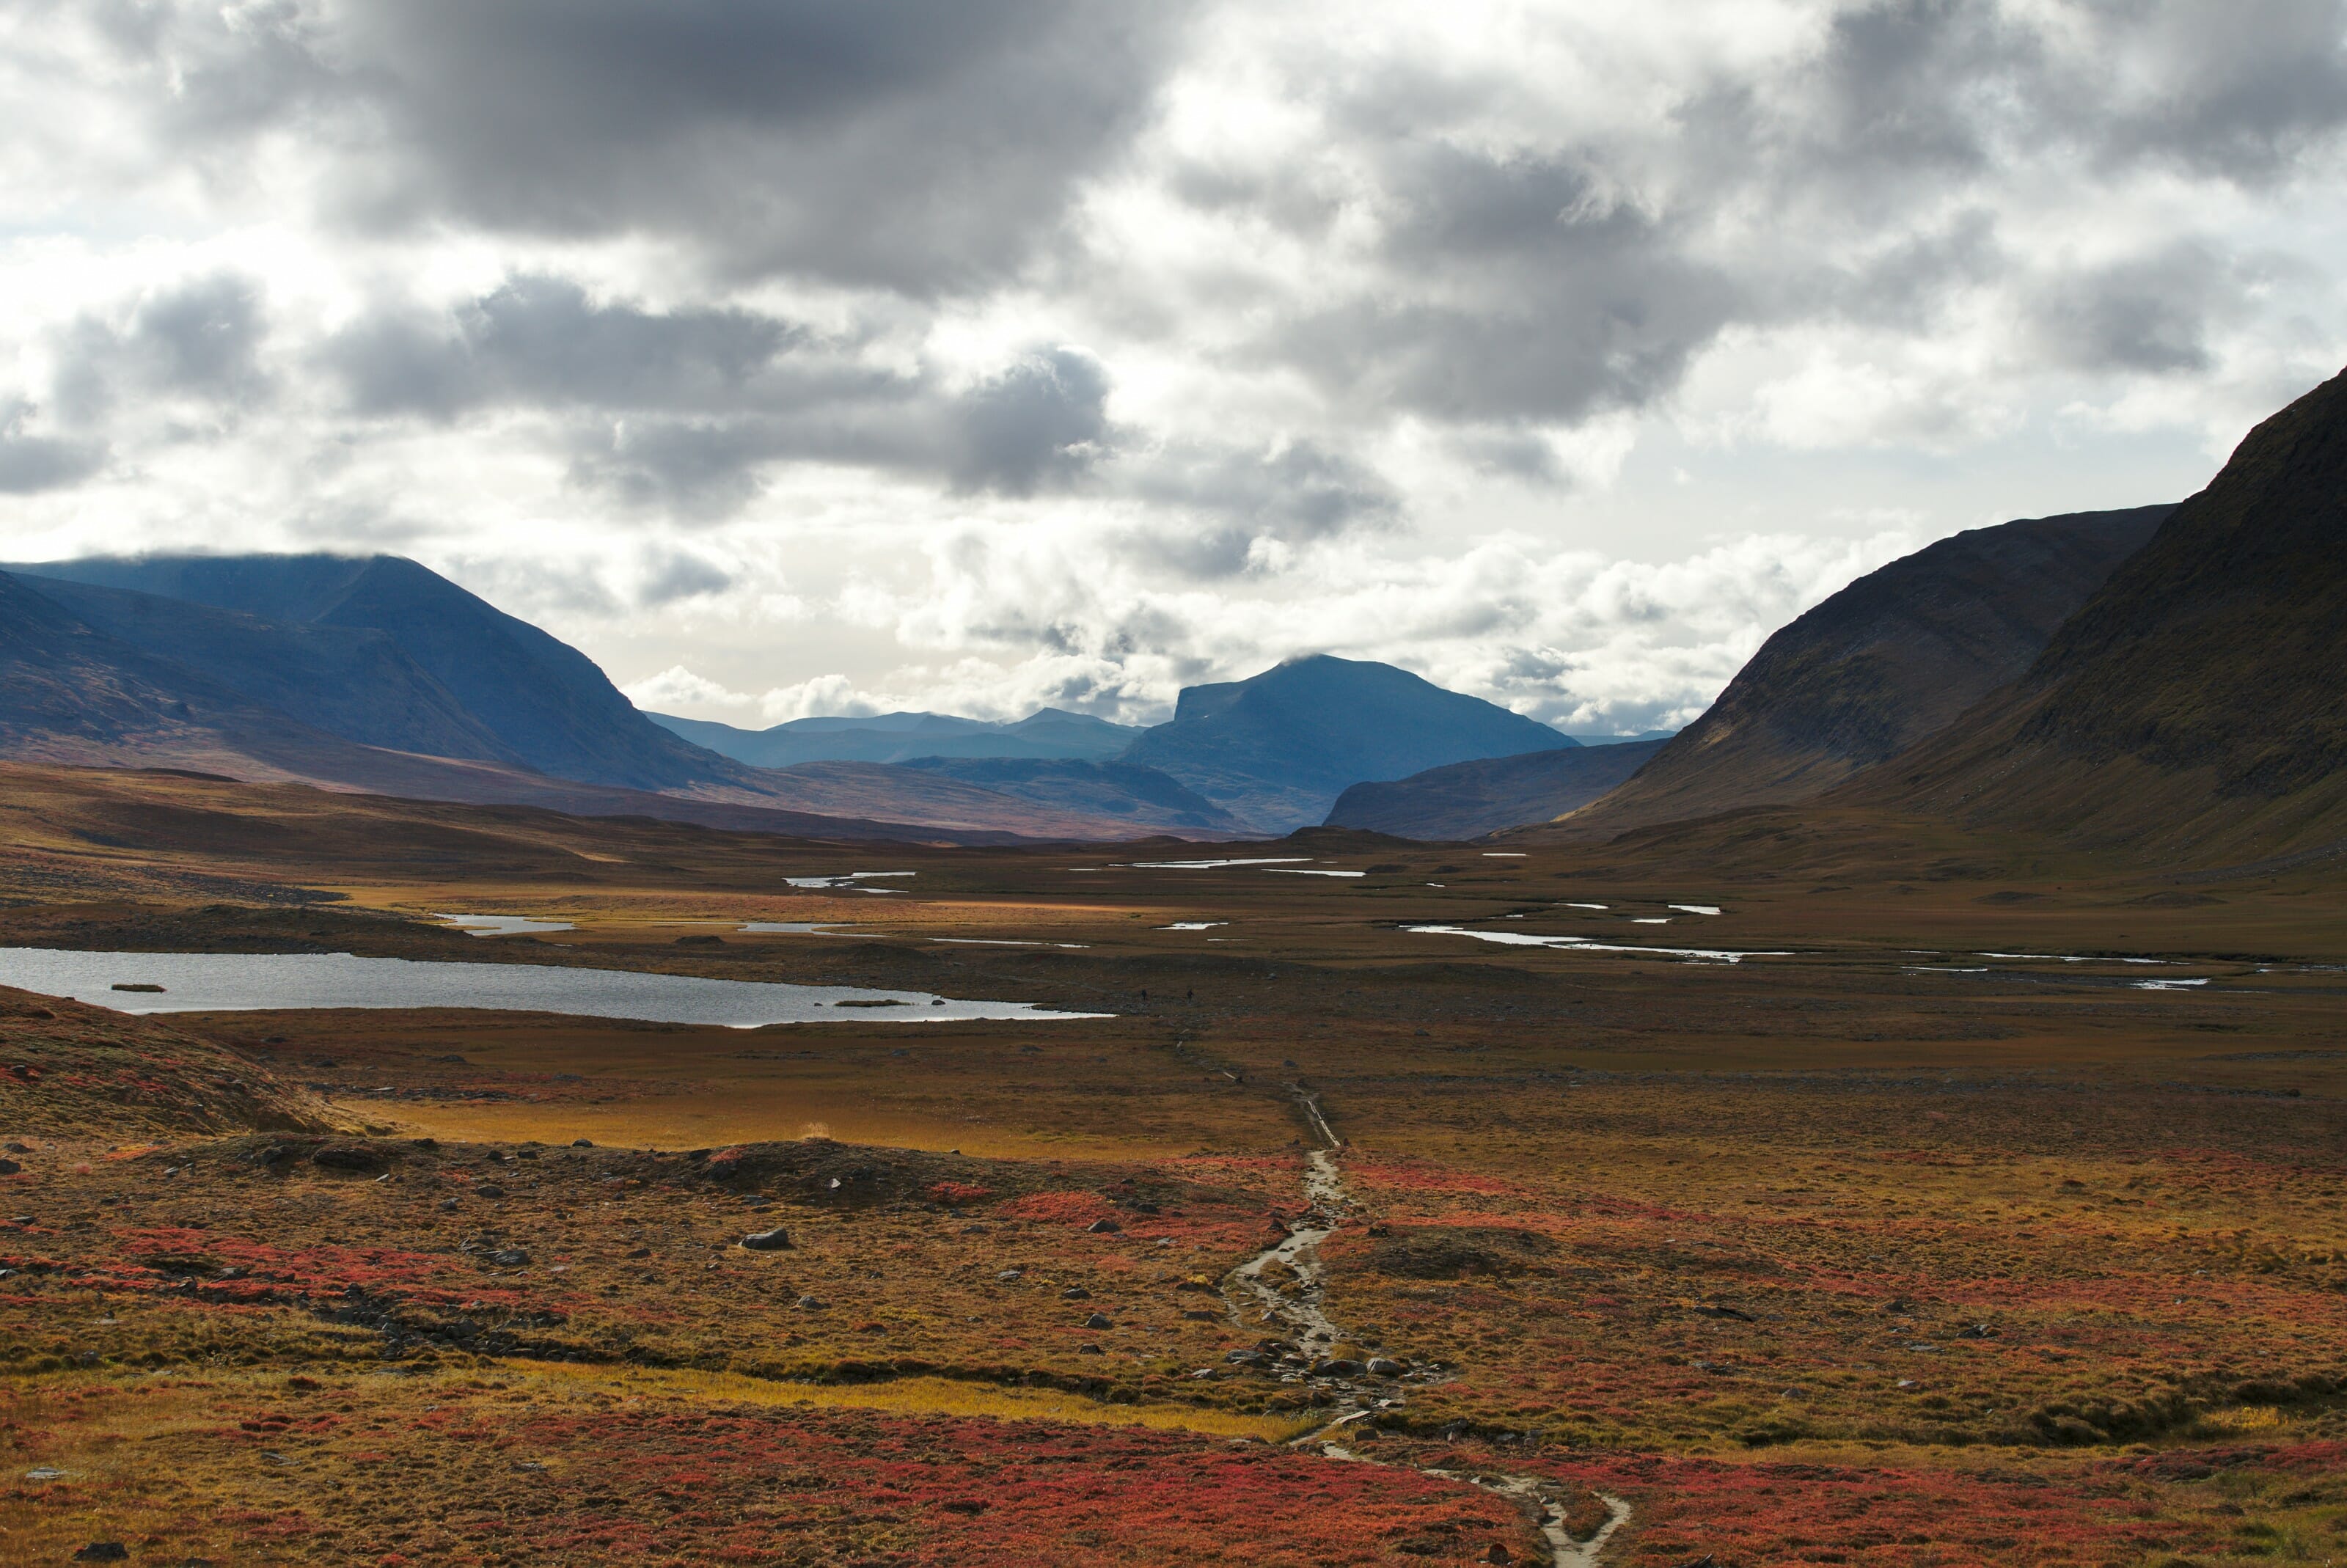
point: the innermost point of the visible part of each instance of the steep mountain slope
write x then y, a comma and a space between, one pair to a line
1149, 800
1468, 800
900, 737
1277, 749
355, 682
2196, 705
1888, 661
544, 700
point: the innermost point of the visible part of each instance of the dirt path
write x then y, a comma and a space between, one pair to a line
1291, 1299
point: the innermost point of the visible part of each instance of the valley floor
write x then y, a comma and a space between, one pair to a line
1984, 1210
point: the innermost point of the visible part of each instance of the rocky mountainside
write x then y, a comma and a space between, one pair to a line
1888, 661
1277, 749
2196, 705
1468, 800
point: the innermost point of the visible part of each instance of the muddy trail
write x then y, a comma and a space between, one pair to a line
1281, 1290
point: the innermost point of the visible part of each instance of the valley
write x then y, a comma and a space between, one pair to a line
1994, 1216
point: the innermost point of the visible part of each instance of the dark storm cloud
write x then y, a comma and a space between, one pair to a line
1539, 293
1043, 420
199, 339
539, 340
680, 574
31, 463
1226, 500
2146, 315
918, 145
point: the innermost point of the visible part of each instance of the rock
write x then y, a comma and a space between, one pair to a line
1337, 1367
1499, 1554
1098, 1320
448, 1204
1075, 1293
1090, 1350
15, 1148
512, 1258
1247, 1359
775, 1240
810, 1304
1103, 1227
640, 1252
9, 1167
489, 1190
1715, 1310
108, 1551
1008, 1274
349, 1157
582, 1143
1386, 1366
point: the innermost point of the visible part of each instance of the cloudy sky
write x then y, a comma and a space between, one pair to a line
802, 356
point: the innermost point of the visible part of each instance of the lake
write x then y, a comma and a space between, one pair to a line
245, 982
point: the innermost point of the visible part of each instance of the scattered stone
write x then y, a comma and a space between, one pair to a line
1098, 1320
1386, 1366
1008, 1274
1337, 1367
490, 1190
1090, 1350
1075, 1293
775, 1240
44, 1472
512, 1258
810, 1304
448, 1204
1103, 1227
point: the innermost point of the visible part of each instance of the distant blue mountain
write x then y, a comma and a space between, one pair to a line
1047, 734
1277, 749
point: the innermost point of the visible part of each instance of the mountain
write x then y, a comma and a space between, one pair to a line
1889, 659
1277, 749
2195, 707
1048, 732
354, 682
1468, 800
1143, 795
545, 701
102, 676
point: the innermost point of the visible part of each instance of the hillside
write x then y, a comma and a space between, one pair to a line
1277, 749
76, 1070
1468, 800
2195, 706
1879, 666
542, 700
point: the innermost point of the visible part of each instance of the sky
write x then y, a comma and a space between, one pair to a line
797, 356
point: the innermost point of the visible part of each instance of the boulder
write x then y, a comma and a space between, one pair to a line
1103, 1227
1098, 1320
775, 1240
510, 1258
